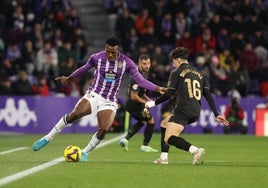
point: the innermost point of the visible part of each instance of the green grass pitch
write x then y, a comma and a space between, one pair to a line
231, 161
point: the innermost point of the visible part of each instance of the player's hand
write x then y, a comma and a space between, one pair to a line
162, 90
62, 79
222, 120
150, 104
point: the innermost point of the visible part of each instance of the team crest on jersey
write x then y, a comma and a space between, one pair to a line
110, 76
135, 87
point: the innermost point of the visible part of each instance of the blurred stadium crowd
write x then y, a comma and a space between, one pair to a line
228, 42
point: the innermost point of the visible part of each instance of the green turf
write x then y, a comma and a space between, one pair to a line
231, 161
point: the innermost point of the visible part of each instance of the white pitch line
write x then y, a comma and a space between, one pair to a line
12, 150
35, 169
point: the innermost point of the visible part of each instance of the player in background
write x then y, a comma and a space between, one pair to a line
189, 86
135, 105
110, 66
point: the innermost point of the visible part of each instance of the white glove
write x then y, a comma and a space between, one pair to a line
150, 104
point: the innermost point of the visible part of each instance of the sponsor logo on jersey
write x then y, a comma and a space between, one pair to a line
110, 76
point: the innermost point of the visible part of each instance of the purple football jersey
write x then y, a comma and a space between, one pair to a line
108, 75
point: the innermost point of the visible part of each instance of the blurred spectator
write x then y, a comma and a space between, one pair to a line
123, 25
209, 7
78, 41
219, 79
249, 59
14, 53
235, 115
41, 88
261, 52
245, 8
22, 86
29, 56
5, 87
113, 9
57, 38
227, 61
143, 21
141, 48
237, 43
66, 51
78, 35
252, 23
201, 66
67, 67
113, 6
37, 37
158, 14
215, 24
166, 23
159, 56
237, 23
29, 23
133, 40
47, 61
48, 25
194, 9
150, 39
18, 18
240, 77
134, 6
205, 42
72, 21
223, 40
81, 51
174, 6
181, 24
7, 68
187, 41
72, 88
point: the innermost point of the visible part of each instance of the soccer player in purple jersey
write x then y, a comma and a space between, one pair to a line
110, 66
189, 86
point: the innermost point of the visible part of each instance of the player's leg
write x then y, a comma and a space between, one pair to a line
105, 120
164, 146
81, 109
134, 129
131, 132
173, 131
148, 133
137, 114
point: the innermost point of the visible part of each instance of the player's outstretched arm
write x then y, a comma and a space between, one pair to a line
161, 99
222, 120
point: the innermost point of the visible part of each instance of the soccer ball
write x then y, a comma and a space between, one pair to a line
72, 153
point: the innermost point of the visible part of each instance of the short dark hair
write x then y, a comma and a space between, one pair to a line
144, 57
179, 52
113, 41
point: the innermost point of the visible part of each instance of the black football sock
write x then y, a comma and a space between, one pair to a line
134, 129
179, 142
164, 145
148, 132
